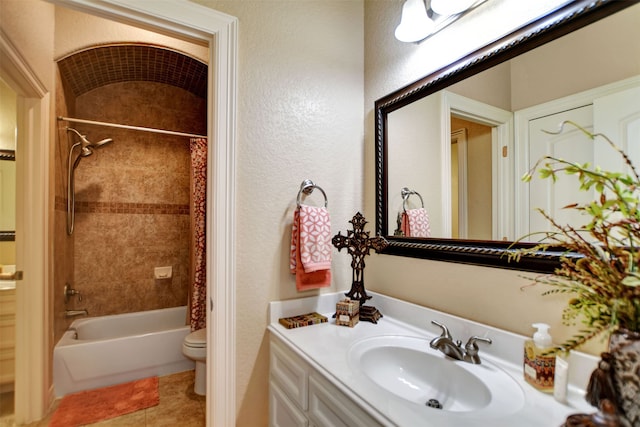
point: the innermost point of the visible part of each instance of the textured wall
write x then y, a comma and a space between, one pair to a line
17, 19
62, 244
299, 116
76, 29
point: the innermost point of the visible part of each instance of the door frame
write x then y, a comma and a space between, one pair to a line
501, 122
31, 395
459, 137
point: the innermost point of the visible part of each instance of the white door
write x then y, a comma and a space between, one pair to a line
570, 145
617, 116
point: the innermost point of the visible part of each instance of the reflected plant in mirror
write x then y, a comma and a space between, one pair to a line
463, 136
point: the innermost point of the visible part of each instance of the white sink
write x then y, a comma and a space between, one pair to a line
409, 369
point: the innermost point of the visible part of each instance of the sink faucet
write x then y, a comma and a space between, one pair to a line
454, 349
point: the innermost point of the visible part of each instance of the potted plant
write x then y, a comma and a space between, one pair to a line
604, 279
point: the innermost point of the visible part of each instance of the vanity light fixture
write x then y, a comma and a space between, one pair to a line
415, 24
451, 7
422, 18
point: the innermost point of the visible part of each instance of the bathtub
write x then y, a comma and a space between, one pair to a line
101, 351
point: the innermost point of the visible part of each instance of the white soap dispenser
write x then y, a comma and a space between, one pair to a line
539, 360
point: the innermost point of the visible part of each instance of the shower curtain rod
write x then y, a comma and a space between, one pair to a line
116, 125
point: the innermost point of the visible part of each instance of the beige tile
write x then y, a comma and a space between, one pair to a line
184, 415
137, 168
138, 418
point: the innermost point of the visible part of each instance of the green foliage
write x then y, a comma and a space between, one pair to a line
605, 280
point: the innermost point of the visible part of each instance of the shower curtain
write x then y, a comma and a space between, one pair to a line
198, 288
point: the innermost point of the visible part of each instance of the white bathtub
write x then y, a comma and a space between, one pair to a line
101, 351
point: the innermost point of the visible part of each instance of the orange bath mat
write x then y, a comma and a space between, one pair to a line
91, 406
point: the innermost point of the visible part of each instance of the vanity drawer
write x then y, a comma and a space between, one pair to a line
328, 407
289, 373
282, 412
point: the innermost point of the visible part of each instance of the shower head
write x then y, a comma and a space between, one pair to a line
101, 143
86, 147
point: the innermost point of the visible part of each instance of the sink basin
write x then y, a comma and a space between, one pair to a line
409, 369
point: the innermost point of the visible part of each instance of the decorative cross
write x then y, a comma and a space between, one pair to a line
359, 244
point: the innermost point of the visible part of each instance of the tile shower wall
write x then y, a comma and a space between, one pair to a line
132, 198
62, 245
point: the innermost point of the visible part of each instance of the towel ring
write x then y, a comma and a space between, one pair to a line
307, 188
405, 192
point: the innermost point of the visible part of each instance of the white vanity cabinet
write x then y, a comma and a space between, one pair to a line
301, 396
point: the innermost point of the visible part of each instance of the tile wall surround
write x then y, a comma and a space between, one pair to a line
132, 199
62, 245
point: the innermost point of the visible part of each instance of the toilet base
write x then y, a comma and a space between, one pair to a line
200, 385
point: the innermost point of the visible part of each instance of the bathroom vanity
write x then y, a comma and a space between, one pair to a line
7, 334
386, 374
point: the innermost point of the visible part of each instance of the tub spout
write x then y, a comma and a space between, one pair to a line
73, 313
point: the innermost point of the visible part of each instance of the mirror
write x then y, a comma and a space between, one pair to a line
457, 141
7, 195
8, 125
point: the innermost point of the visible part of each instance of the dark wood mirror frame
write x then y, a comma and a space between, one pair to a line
488, 253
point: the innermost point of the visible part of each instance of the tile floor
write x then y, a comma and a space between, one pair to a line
179, 406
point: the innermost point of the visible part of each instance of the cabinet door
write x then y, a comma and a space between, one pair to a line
330, 408
283, 412
290, 373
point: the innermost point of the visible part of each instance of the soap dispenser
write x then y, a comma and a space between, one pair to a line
539, 360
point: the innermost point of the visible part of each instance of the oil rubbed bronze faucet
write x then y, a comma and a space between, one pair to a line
68, 293
445, 344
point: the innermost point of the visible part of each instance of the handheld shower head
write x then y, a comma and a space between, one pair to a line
86, 149
101, 143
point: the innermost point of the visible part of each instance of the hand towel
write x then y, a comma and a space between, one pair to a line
310, 256
315, 238
404, 227
415, 223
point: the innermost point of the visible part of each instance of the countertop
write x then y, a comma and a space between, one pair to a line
326, 348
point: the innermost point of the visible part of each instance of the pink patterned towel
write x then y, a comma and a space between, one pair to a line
415, 223
310, 255
315, 238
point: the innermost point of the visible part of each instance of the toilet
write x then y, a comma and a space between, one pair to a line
194, 347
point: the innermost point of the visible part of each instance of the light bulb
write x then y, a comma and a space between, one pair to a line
414, 25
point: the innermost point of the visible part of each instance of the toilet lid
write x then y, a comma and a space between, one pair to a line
197, 338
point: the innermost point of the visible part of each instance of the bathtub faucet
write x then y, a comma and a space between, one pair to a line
73, 313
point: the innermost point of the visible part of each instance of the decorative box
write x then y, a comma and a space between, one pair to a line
347, 312
302, 320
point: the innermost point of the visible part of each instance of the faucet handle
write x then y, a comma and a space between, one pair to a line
69, 292
471, 349
445, 330
471, 344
